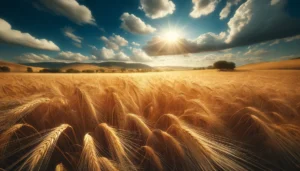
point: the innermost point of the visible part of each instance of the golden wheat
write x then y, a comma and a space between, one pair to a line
194, 120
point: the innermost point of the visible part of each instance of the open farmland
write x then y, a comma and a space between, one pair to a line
188, 120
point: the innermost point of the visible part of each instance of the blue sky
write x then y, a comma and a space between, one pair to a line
200, 31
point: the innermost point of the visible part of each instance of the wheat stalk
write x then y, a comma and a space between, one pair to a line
89, 155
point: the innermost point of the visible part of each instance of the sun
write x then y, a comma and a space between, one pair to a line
171, 36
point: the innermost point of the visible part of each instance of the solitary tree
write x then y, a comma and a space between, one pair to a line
224, 65
29, 69
231, 65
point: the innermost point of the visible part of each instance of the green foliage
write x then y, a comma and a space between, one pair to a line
50, 71
199, 68
71, 70
88, 71
123, 69
224, 65
29, 69
4, 69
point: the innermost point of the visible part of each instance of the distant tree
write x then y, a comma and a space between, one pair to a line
71, 70
210, 67
50, 71
199, 68
88, 71
4, 69
29, 69
101, 70
123, 69
224, 65
231, 65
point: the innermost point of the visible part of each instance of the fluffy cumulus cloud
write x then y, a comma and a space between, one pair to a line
33, 58
60, 57
135, 25
139, 55
135, 44
71, 9
227, 9
114, 42
255, 21
106, 54
69, 32
10, 36
157, 8
70, 56
203, 7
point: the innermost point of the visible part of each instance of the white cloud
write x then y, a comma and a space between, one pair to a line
10, 36
293, 38
139, 55
157, 8
113, 42
69, 32
109, 44
33, 58
119, 40
274, 2
254, 52
105, 54
135, 25
288, 39
227, 9
71, 9
60, 57
287, 57
121, 57
203, 7
77, 44
275, 42
70, 56
135, 44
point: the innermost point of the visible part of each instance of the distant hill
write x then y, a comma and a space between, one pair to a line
62, 65
80, 67
18, 67
173, 68
285, 64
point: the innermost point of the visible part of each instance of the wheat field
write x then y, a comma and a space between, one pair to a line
184, 121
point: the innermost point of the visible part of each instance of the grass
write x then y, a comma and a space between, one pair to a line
188, 120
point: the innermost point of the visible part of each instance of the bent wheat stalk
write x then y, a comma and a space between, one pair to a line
89, 155
39, 157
